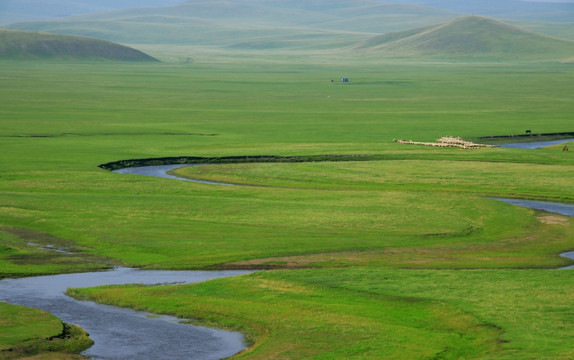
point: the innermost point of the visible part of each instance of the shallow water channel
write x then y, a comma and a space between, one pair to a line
535, 145
161, 172
123, 333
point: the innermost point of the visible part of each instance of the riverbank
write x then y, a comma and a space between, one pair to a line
375, 313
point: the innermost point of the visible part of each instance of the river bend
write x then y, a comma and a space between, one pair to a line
161, 172
125, 334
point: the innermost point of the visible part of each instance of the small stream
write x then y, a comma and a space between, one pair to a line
125, 334
161, 172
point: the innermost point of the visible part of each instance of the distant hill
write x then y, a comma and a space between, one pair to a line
32, 45
327, 25
471, 37
12, 11
256, 24
552, 11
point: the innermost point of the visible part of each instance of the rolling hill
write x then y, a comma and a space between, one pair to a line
470, 37
551, 11
324, 25
12, 11
32, 45
248, 23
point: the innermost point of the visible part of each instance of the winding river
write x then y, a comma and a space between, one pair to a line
121, 333
161, 172
127, 334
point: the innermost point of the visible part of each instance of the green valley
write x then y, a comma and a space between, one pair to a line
401, 256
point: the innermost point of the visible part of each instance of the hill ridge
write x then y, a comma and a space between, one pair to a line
469, 36
16, 44
226, 23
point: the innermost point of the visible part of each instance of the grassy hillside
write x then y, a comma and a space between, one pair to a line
560, 30
470, 37
24, 45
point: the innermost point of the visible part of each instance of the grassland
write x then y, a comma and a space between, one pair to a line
416, 208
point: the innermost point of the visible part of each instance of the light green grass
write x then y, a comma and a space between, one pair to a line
62, 120
496, 179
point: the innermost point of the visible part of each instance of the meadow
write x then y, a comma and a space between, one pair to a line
351, 225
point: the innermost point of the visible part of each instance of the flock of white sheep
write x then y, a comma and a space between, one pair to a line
447, 141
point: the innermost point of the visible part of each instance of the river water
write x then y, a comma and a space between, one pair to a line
161, 172
535, 145
121, 333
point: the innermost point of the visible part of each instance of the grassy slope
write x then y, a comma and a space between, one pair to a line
357, 213
560, 30
24, 45
470, 37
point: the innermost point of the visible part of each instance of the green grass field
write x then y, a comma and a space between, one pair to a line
352, 224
